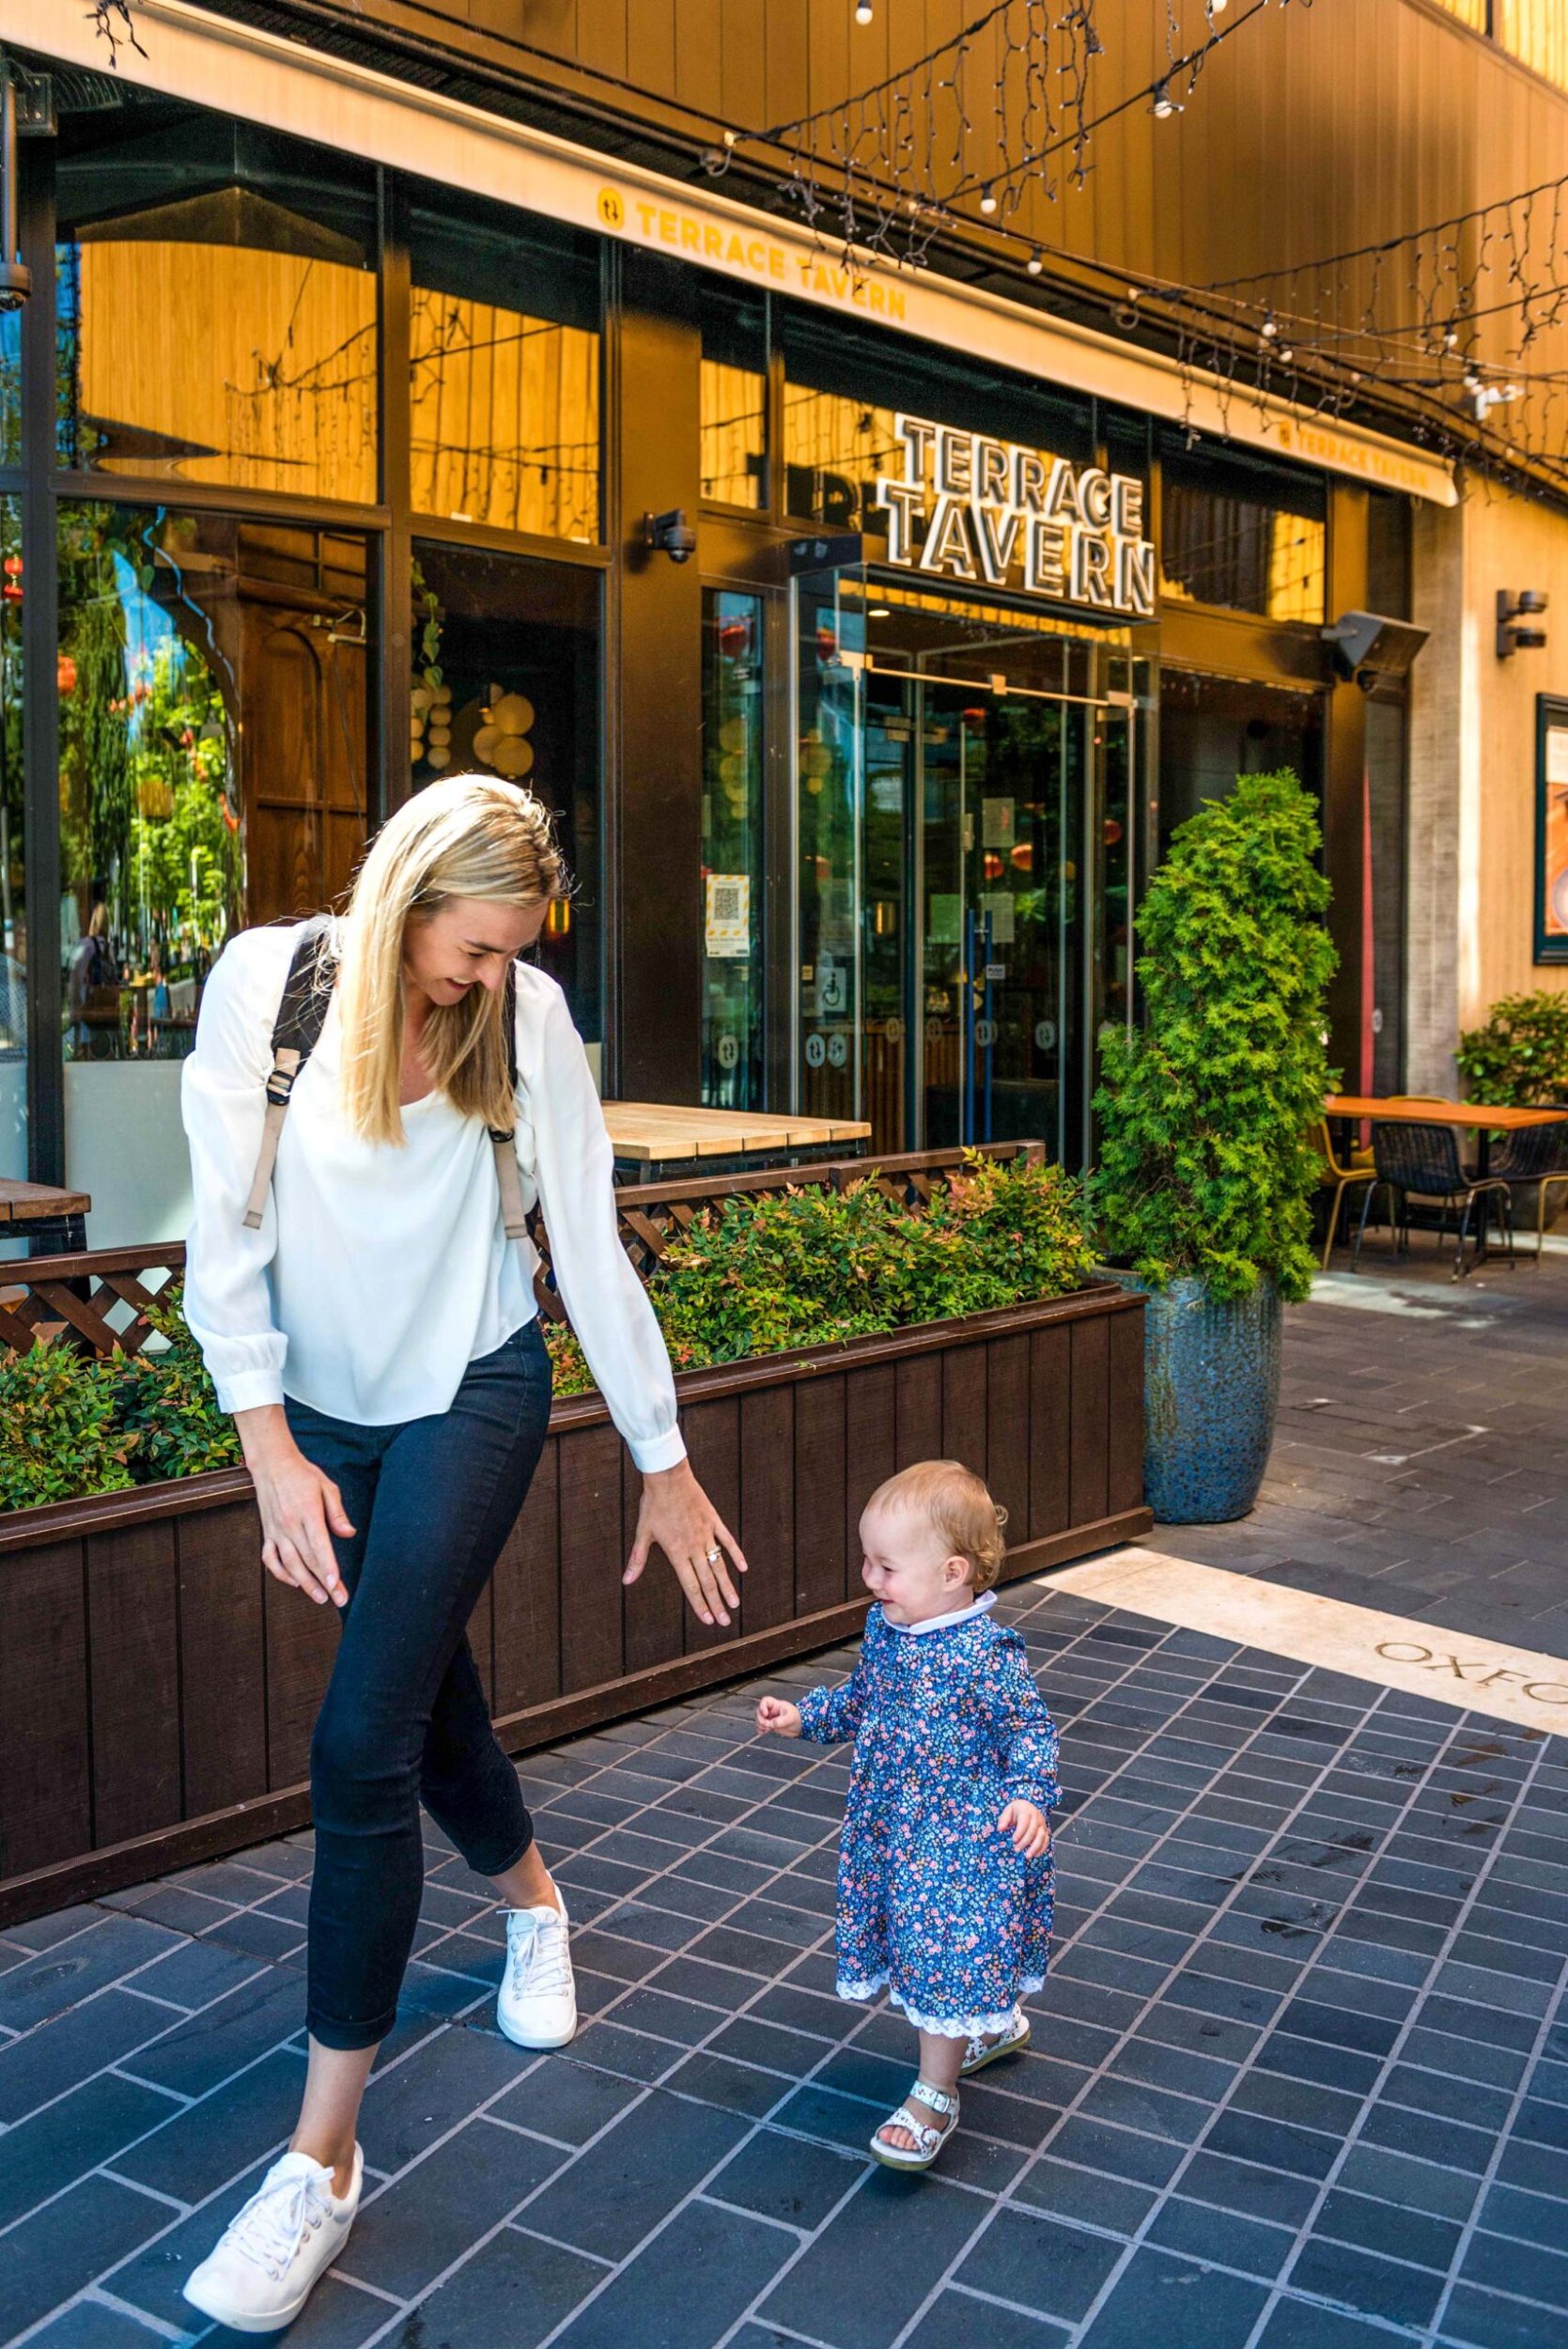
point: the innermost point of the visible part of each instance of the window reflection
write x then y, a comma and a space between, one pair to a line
506, 683
212, 774
247, 265
13, 892
732, 850
1243, 534
734, 397
504, 370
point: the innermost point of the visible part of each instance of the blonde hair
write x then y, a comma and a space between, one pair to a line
956, 1504
466, 836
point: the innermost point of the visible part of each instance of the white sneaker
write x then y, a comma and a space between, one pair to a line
538, 2003
262, 2272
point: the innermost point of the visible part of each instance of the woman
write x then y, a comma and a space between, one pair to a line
376, 1341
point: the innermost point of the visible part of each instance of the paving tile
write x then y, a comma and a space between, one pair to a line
686, 2286
63, 1976
901, 2233
433, 2090
264, 2012
59, 2055
202, 2147
1041, 2263
1370, 2285
1221, 2237
92, 2325
632, 2175
1484, 2319
512, 2293
782, 2178
414, 2230
75, 2134
1176, 2303
1297, 2325
565, 2100
1061, 2187
52, 2255
954, 2320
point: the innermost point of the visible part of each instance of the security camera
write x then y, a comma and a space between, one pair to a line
669, 534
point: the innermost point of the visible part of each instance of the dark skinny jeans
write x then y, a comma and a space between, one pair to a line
404, 1720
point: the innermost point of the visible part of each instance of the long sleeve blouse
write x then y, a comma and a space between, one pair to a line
379, 1272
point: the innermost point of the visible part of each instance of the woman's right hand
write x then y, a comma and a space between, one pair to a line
300, 1509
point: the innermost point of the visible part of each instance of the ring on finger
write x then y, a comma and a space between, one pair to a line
713, 1553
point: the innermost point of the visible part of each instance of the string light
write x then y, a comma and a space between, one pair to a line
988, 198
862, 11
1035, 263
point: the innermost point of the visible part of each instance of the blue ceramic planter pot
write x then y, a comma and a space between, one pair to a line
1211, 1383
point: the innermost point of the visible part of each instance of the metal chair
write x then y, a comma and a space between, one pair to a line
1538, 1155
1357, 1168
1421, 1162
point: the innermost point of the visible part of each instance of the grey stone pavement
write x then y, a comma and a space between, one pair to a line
1300, 2077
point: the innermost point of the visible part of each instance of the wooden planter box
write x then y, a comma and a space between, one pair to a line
158, 1688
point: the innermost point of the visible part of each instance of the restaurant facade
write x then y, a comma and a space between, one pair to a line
866, 635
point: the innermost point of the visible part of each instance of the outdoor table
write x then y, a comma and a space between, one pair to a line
45, 1217
1485, 1120
655, 1144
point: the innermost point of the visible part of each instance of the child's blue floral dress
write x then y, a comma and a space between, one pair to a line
934, 1903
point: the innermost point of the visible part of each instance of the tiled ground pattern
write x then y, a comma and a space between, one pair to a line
1301, 2077
1422, 1459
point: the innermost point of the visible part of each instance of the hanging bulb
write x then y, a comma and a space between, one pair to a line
1035, 263
1268, 330
1164, 104
988, 198
862, 11
1286, 356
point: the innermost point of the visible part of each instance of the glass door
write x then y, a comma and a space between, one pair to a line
967, 809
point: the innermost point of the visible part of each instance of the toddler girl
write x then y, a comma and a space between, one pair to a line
945, 1874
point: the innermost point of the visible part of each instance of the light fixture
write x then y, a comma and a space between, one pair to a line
1286, 356
1269, 329
862, 11
878, 612
1511, 638
1375, 650
669, 534
1035, 263
1164, 104
988, 198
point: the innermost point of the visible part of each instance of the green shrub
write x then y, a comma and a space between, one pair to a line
166, 1403
1519, 1059
812, 1267
753, 1276
1203, 1164
59, 1436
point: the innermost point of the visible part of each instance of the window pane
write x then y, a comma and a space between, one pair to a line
212, 773
503, 368
1389, 554
732, 850
1242, 532
217, 310
13, 892
734, 397
1213, 729
506, 653
10, 387
844, 384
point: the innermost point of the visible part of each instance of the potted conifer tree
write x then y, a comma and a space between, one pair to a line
1202, 1195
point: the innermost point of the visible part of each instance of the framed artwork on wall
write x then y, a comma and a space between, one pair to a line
1551, 828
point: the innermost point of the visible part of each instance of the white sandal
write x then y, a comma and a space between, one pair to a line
980, 2051
929, 2141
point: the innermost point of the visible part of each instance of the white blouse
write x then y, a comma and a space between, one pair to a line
378, 1272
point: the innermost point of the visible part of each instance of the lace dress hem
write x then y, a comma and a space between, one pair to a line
942, 2026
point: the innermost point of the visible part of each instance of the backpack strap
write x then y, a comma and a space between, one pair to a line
296, 1032
503, 1137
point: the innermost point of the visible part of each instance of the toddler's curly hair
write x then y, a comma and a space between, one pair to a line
957, 1505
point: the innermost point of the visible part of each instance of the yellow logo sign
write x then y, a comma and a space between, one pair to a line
611, 208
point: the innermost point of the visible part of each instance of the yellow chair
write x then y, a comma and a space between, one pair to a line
1342, 1173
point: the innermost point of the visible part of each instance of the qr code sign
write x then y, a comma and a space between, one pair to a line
727, 906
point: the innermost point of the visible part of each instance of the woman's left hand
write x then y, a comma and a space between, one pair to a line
677, 1514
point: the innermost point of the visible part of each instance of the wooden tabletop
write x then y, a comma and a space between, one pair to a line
1406, 1113
29, 1203
651, 1131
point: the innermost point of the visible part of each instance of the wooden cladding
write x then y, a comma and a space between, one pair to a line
158, 1688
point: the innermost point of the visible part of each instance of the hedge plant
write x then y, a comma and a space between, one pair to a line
812, 1267
72, 1423
1519, 1058
1204, 1167
752, 1276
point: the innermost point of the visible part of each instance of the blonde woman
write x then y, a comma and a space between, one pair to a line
376, 1339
